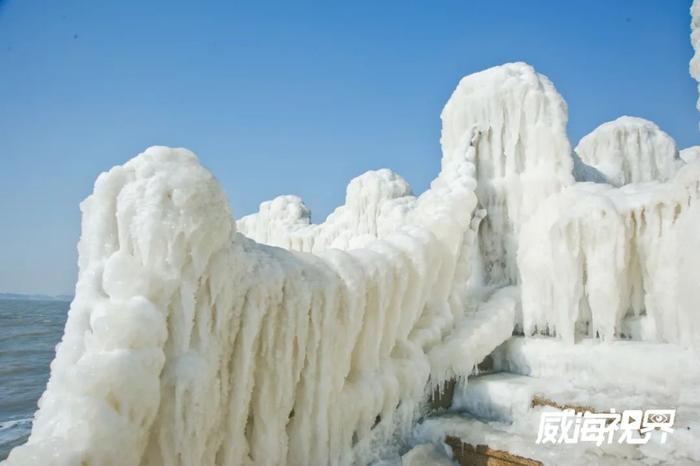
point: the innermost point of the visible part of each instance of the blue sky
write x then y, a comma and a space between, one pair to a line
291, 97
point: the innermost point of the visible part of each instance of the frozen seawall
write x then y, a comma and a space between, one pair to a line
195, 339
188, 343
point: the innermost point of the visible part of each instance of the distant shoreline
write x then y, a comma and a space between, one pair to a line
35, 297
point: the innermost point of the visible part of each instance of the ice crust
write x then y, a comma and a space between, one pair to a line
690, 154
630, 150
599, 261
522, 153
189, 343
595, 375
194, 339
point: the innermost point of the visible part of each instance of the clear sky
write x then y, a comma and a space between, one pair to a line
291, 97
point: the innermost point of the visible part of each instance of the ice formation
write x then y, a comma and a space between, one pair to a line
629, 150
690, 154
606, 262
695, 42
522, 153
194, 339
591, 374
375, 203
188, 343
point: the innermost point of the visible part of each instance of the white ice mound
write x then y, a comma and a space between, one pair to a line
514, 121
604, 262
522, 153
690, 154
630, 150
276, 220
375, 203
190, 344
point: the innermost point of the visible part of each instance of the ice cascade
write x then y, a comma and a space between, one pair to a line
194, 339
188, 343
630, 150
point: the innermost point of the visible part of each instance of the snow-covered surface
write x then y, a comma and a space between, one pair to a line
497, 409
475, 336
690, 154
426, 454
188, 343
514, 121
592, 362
195, 339
522, 153
519, 439
375, 203
598, 375
593, 256
629, 150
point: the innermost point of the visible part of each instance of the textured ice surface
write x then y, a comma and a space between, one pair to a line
595, 258
522, 153
188, 343
376, 202
690, 154
194, 339
629, 150
591, 375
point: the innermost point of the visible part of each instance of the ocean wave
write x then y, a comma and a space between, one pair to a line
15, 423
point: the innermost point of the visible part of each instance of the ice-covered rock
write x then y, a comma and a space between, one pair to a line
536, 375
285, 221
629, 150
475, 335
194, 339
593, 256
522, 153
513, 119
690, 154
188, 343
375, 203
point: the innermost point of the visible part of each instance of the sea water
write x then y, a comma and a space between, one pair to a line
29, 332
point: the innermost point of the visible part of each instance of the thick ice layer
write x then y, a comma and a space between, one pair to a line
690, 154
499, 397
519, 439
426, 454
188, 343
475, 336
621, 366
629, 150
498, 409
375, 203
277, 220
598, 375
513, 120
522, 153
611, 262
